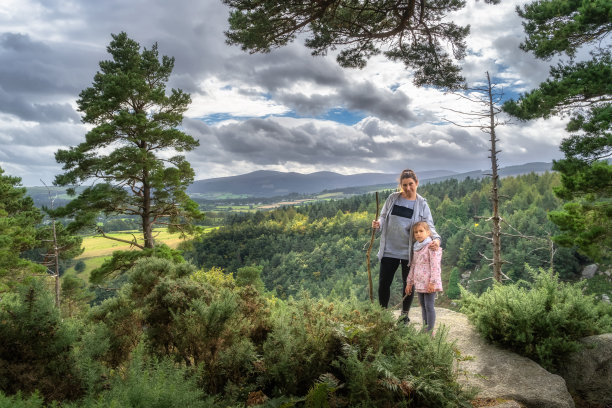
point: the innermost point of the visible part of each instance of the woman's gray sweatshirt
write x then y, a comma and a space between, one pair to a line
421, 213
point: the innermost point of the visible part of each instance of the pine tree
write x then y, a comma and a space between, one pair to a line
416, 33
582, 90
133, 116
18, 221
131, 152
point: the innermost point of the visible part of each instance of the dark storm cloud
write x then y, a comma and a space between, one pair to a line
267, 142
374, 144
22, 43
380, 102
26, 57
191, 32
308, 105
54, 134
361, 97
37, 79
283, 68
42, 113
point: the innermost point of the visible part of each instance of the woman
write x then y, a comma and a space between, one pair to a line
400, 212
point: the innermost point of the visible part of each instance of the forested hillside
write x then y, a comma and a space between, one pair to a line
320, 247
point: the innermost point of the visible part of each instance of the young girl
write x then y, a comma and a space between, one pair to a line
424, 273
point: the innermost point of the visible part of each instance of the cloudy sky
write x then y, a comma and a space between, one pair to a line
285, 111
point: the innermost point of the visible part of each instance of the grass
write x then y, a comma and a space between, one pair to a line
90, 265
236, 208
331, 195
217, 196
98, 248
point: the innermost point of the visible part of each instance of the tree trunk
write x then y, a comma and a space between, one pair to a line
496, 233
56, 261
147, 228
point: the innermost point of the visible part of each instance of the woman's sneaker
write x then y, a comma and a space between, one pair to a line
403, 319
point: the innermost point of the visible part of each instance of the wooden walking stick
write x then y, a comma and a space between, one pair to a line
369, 251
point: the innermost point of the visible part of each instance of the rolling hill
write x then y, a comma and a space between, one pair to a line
266, 183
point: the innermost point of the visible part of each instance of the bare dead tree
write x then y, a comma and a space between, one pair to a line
51, 259
487, 98
547, 243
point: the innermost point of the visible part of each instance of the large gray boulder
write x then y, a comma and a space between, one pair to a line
500, 374
589, 271
588, 372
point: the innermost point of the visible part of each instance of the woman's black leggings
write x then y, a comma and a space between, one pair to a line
388, 266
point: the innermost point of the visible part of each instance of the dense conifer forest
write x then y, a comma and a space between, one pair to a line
321, 247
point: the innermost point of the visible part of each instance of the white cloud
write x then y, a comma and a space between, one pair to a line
223, 97
49, 51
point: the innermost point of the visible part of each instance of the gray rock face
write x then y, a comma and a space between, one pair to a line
589, 271
500, 374
588, 372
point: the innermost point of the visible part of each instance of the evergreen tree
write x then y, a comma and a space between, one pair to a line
453, 291
130, 148
35, 345
582, 90
18, 221
132, 151
416, 33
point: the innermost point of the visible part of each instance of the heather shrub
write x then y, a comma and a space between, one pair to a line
242, 346
199, 320
543, 320
121, 323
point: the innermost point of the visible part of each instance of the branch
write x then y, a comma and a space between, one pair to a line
465, 229
519, 234
132, 243
106, 289
464, 126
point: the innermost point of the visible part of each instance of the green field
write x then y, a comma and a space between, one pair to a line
97, 245
98, 248
326, 196
237, 208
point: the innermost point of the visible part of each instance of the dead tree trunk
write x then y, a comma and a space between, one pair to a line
485, 119
496, 232
53, 253
56, 275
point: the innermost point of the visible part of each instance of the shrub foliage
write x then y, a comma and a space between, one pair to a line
174, 336
542, 320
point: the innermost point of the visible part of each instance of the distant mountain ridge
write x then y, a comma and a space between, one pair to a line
265, 183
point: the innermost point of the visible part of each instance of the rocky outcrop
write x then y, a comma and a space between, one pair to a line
588, 372
500, 374
589, 271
